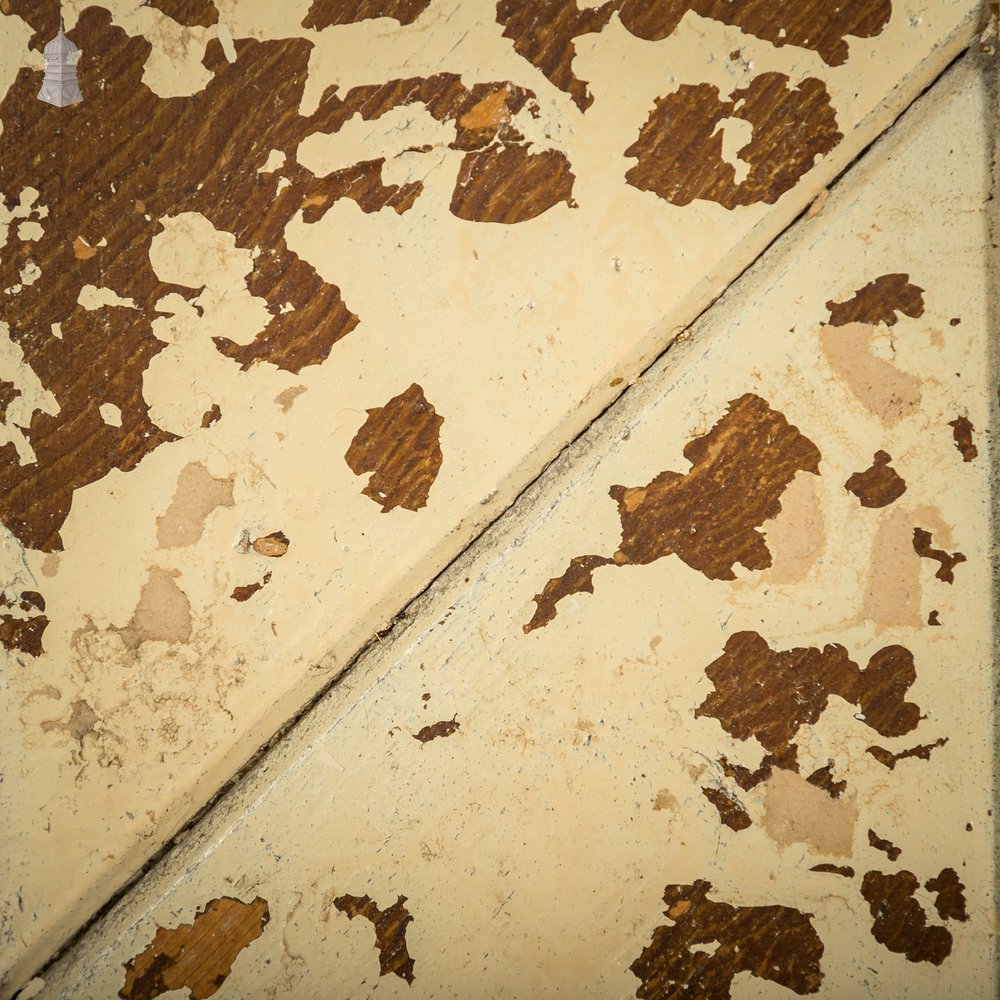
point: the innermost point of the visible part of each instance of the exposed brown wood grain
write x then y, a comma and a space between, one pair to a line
244, 593
543, 31
679, 149
390, 932
890, 760
900, 921
710, 516
962, 431
438, 730
399, 445
823, 778
510, 184
769, 695
950, 892
880, 301
362, 183
845, 870
775, 943
879, 485
325, 13
887, 847
922, 545
211, 416
124, 159
730, 811
198, 956
200, 13
8, 393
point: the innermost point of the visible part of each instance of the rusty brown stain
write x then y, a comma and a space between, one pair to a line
730, 811
880, 301
197, 494
544, 33
950, 892
775, 943
934, 618
922, 540
198, 956
769, 694
679, 149
879, 485
211, 416
244, 593
889, 759
23, 635
390, 931
845, 870
82, 721
887, 847
962, 431
326, 13
193, 13
274, 545
510, 184
438, 729
900, 921
399, 445
709, 516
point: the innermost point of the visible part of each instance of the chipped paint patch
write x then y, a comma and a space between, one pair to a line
198, 956
710, 516
879, 485
390, 932
399, 445
775, 943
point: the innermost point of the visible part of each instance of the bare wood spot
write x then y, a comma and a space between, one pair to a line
922, 540
438, 729
399, 445
680, 148
844, 870
246, 592
193, 13
879, 485
198, 956
730, 811
890, 760
900, 921
887, 847
274, 545
390, 932
880, 301
775, 943
326, 13
709, 517
963, 430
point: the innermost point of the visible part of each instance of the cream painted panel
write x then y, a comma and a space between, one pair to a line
156, 684
533, 840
